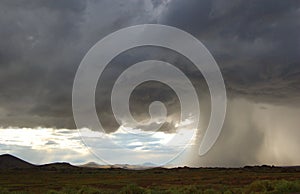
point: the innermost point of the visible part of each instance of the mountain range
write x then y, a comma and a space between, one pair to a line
8, 161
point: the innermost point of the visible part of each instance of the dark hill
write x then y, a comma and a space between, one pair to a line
57, 166
11, 162
8, 161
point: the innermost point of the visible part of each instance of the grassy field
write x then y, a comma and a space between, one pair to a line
179, 180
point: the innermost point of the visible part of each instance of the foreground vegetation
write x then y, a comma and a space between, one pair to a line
152, 181
265, 186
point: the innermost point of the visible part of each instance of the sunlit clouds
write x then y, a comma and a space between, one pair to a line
125, 146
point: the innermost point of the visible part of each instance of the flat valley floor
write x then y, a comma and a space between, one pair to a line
69, 179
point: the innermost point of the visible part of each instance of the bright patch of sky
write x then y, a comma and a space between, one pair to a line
125, 146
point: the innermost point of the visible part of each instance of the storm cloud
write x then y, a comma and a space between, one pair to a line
255, 43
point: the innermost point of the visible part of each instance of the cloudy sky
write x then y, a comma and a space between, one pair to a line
255, 43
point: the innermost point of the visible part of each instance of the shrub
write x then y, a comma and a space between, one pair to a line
89, 190
3, 191
228, 192
211, 191
273, 187
185, 190
287, 186
78, 190
68, 190
53, 192
259, 187
133, 189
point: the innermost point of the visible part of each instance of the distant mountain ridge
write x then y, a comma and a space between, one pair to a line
124, 166
8, 161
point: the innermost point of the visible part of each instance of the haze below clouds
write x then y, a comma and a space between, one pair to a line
255, 43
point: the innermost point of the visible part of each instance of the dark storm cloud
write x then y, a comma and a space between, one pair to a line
37, 58
255, 43
42, 44
147, 92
